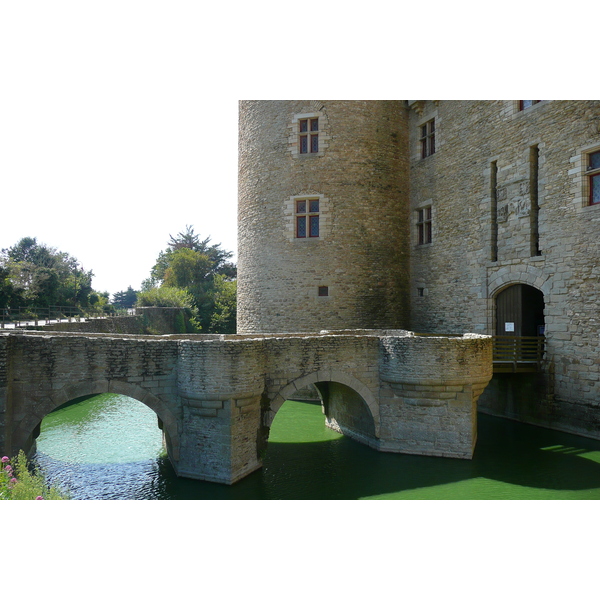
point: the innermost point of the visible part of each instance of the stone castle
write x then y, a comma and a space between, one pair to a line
440, 217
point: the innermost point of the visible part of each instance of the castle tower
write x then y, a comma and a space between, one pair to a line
323, 215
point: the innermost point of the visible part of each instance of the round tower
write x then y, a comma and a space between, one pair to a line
323, 223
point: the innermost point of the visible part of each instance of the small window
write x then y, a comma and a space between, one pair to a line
427, 139
593, 172
420, 292
323, 290
424, 226
309, 135
307, 218
523, 104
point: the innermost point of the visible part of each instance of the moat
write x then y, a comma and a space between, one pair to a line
109, 447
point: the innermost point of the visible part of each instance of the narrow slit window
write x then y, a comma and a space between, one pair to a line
424, 229
427, 139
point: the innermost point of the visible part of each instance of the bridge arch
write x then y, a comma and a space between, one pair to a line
329, 376
70, 392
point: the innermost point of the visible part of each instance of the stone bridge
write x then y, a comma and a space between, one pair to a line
217, 395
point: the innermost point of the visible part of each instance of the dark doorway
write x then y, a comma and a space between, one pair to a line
520, 311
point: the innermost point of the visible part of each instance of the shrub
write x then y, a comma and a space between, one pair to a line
19, 483
164, 296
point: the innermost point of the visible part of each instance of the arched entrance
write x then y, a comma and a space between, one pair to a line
520, 311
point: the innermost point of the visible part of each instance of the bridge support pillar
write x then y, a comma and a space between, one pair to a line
219, 439
429, 392
220, 385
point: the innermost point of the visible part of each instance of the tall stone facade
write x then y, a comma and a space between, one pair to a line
430, 211
509, 191
323, 229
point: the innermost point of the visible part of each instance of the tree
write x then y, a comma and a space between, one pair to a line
204, 271
125, 299
42, 276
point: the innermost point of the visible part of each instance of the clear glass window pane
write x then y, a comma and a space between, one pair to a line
301, 227
304, 125
314, 226
314, 124
595, 160
314, 206
300, 206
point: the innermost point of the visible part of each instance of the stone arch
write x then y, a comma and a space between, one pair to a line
59, 397
514, 275
332, 375
507, 276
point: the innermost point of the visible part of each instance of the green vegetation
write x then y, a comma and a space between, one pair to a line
197, 275
35, 275
19, 483
125, 299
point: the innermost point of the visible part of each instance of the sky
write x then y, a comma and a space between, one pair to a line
115, 134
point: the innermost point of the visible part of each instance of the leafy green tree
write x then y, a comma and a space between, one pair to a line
9, 296
223, 317
42, 276
205, 272
125, 299
165, 296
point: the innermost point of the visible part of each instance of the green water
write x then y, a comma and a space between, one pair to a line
109, 447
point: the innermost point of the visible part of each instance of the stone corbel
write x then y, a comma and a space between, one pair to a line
417, 105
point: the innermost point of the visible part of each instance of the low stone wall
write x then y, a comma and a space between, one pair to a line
151, 320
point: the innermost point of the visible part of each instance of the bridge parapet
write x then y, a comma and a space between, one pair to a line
216, 396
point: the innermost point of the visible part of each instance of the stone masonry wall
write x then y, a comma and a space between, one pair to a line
360, 178
455, 278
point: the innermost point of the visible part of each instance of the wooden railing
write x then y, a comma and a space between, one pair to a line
517, 354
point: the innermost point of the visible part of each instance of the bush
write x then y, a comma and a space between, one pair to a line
19, 483
165, 296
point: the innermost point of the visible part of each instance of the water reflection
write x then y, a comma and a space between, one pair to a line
305, 460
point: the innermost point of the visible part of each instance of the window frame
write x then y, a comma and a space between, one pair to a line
427, 133
593, 174
522, 106
308, 135
307, 217
424, 225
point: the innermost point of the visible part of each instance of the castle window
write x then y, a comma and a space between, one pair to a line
427, 138
424, 226
523, 104
323, 290
593, 172
307, 218
309, 135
